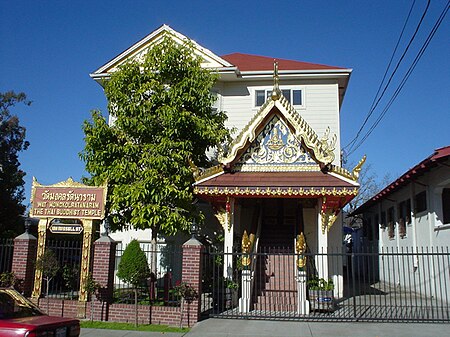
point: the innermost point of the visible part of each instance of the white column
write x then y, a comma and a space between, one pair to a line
322, 246
302, 302
228, 240
246, 281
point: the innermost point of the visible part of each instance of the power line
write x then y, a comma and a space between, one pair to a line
406, 76
375, 102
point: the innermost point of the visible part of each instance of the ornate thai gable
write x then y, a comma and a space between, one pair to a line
140, 49
321, 150
275, 149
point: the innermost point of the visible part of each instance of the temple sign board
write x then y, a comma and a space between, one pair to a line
67, 200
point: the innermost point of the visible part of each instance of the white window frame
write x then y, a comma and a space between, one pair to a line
268, 92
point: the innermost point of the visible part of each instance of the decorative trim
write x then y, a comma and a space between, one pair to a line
357, 169
85, 259
328, 219
322, 150
221, 216
276, 168
208, 173
300, 249
275, 191
42, 233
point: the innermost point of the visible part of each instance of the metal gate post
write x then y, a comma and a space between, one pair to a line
244, 301
302, 302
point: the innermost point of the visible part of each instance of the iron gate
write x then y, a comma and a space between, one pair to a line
406, 285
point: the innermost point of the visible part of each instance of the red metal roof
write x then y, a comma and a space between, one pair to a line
247, 62
275, 179
425, 165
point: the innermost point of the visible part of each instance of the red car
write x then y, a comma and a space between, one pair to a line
21, 318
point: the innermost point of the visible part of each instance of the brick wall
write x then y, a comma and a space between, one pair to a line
123, 313
103, 266
147, 314
192, 275
58, 307
23, 260
103, 273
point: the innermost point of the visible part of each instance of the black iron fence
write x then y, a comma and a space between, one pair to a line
386, 285
165, 265
6, 255
66, 283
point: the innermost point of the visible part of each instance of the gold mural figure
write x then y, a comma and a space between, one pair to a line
247, 245
300, 247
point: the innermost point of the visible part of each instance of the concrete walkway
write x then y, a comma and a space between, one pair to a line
259, 328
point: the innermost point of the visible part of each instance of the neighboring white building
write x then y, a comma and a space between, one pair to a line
302, 186
412, 214
414, 210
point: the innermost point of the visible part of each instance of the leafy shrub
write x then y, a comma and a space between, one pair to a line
320, 284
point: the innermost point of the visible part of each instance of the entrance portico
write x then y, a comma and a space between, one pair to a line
279, 180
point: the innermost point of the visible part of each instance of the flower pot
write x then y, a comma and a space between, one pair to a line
321, 300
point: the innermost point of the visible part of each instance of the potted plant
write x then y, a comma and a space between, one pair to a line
231, 293
320, 293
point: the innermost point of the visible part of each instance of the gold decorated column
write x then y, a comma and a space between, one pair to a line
85, 258
85, 264
42, 234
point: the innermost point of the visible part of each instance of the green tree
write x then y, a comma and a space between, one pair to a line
133, 269
12, 141
163, 120
48, 264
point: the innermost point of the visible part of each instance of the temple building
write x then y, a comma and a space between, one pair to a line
282, 174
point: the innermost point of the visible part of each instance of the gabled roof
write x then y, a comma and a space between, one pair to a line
320, 148
439, 155
247, 62
139, 49
321, 151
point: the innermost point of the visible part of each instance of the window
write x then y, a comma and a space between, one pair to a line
367, 229
377, 223
383, 220
294, 96
408, 212
421, 202
260, 96
404, 212
446, 205
391, 223
216, 106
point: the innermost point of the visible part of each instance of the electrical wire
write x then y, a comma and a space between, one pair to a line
372, 107
406, 76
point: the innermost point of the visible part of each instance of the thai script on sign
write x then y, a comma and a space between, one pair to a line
69, 196
68, 202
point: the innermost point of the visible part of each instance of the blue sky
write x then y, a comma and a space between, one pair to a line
48, 49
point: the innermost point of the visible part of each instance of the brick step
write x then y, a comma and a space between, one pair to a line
282, 297
280, 288
276, 307
276, 287
278, 284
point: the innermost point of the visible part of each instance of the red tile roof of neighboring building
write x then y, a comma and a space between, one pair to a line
247, 62
439, 155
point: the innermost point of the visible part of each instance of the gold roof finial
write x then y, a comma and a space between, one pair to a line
357, 169
276, 92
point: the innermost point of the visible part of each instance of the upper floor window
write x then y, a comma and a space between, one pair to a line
294, 96
420, 202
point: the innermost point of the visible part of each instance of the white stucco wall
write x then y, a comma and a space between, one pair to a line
426, 234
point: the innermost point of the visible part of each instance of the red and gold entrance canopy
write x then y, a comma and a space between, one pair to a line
275, 184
